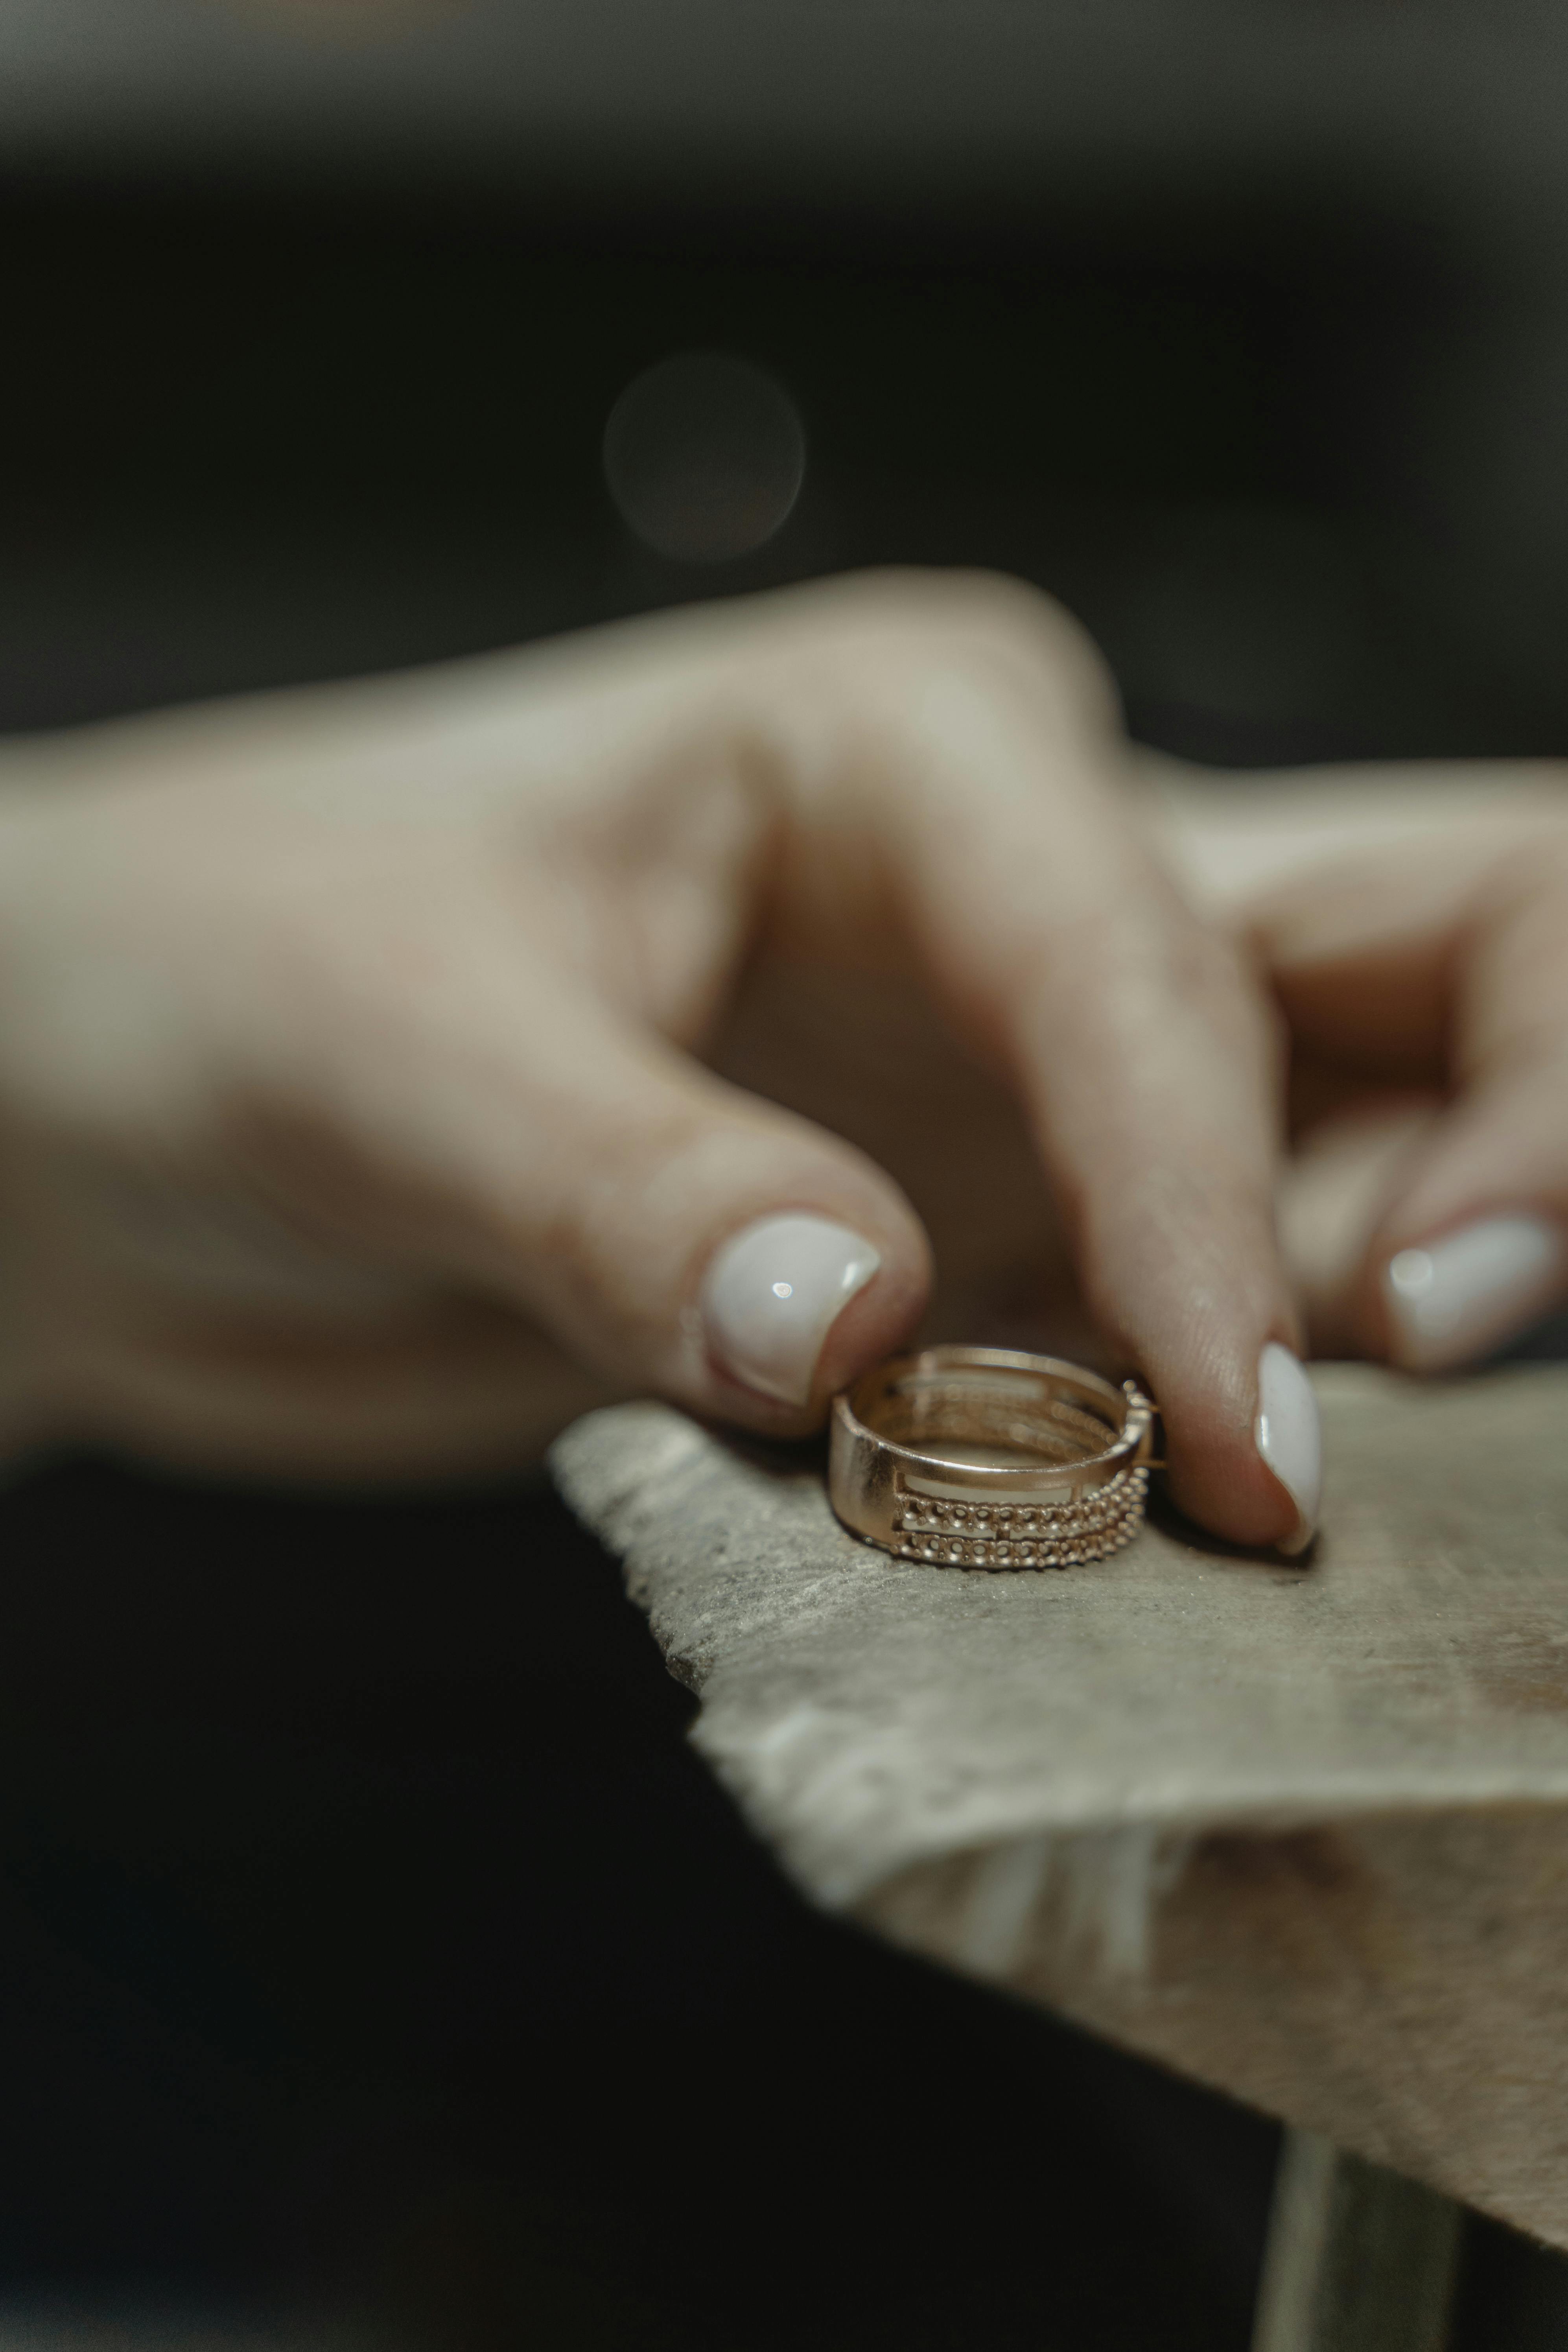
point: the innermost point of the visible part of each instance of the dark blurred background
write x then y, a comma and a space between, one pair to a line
1243, 327
376, 1962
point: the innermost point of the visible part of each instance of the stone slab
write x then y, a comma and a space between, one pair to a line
1299, 1832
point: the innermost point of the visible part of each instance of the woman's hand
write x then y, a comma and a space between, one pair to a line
387, 1070
1412, 923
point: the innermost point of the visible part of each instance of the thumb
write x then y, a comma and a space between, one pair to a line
673, 1233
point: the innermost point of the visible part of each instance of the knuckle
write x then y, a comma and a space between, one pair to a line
984, 629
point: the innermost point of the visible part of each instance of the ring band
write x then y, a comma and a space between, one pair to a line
982, 1457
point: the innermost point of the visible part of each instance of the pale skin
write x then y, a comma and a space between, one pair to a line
380, 1067
1412, 924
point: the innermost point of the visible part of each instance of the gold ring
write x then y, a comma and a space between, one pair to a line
982, 1457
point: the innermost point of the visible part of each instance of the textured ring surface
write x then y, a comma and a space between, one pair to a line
984, 1458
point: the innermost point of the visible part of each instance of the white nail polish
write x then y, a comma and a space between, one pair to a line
1468, 1293
773, 1294
1290, 1438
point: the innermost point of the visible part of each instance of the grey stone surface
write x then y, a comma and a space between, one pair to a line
1303, 1831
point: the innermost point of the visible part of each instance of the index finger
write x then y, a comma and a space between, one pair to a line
1142, 1050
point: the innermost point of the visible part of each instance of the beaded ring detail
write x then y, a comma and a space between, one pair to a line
985, 1458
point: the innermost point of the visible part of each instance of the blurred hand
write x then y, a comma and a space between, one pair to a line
1412, 923
387, 1071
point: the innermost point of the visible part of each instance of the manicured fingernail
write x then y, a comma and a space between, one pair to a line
773, 1294
1468, 1293
1290, 1438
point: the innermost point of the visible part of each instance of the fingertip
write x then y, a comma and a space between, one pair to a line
795, 1303
1456, 1297
877, 1322
1288, 1433
1245, 1453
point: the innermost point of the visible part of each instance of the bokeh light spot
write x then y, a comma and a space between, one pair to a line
704, 456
